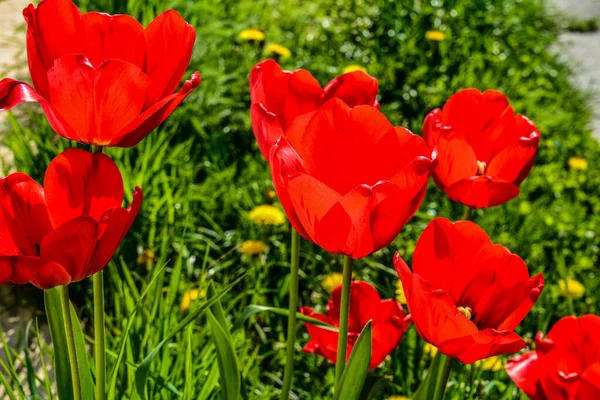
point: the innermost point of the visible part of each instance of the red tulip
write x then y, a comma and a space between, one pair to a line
279, 97
485, 151
347, 179
565, 365
102, 79
466, 295
388, 326
67, 230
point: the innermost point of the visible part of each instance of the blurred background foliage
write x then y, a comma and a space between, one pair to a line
202, 173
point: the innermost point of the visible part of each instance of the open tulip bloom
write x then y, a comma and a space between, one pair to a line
100, 79
349, 180
67, 230
484, 150
565, 365
388, 326
466, 295
279, 97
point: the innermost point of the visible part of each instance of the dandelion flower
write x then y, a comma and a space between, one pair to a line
331, 281
267, 215
145, 257
252, 34
397, 398
190, 296
571, 288
252, 247
435, 36
352, 68
430, 349
278, 49
578, 163
400, 293
493, 364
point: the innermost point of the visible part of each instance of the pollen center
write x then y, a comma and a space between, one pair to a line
466, 311
481, 166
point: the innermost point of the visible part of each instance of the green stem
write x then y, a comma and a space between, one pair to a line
291, 334
66, 310
344, 314
468, 213
96, 149
99, 336
433, 386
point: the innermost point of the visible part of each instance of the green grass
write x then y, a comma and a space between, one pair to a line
202, 173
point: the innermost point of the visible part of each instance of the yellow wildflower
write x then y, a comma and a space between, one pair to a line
578, 163
430, 349
435, 36
252, 247
331, 281
571, 287
400, 293
190, 296
267, 215
352, 68
490, 364
278, 49
397, 398
252, 34
145, 257
271, 194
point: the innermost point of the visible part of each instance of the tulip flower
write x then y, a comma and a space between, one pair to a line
484, 150
466, 295
68, 229
279, 97
565, 365
349, 180
388, 326
100, 79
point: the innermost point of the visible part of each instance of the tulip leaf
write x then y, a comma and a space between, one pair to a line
87, 384
355, 372
255, 309
229, 374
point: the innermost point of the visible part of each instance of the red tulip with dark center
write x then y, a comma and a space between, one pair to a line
67, 230
279, 97
484, 150
388, 326
565, 365
349, 180
466, 295
100, 79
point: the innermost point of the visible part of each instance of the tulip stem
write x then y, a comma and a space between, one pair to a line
344, 314
99, 335
66, 310
433, 386
291, 334
468, 213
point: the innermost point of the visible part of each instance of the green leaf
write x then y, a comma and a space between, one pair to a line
210, 383
255, 309
217, 310
62, 367
87, 384
355, 372
29, 364
229, 374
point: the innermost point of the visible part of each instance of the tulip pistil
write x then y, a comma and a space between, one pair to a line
481, 166
466, 311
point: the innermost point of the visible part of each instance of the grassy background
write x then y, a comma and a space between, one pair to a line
202, 173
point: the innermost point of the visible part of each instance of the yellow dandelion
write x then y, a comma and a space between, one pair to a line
400, 293
271, 194
490, 364
435, 36
145, 257
571, 287
278, 49
352, 68
397, 398
331, 281
252, 247
430, 349
190, 296
267, 215
252, 34
578, 163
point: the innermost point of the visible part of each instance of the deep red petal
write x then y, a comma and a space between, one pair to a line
19, 269
322, 341
536, 285
524, 370
482, 191
364, 305
354, 88
386, 337
269, 86
266, 127
169, 43
482, 344
52, 274
79, 183
589, 388
301, 97
114, 36
456, 161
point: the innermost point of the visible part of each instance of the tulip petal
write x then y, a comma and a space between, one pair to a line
322, 342
535, 287
269, 86
114, 36
524, 371
79, 183
19, 270
71, 245
169, 43
354, 88
482, 191
364, 305
386, 337
589, 388
300, 98
52, 274
114, 226
482, 344
96, 103
456, 161
152, 117
266, 126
